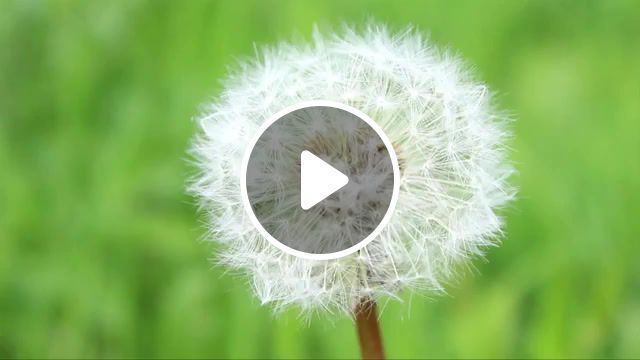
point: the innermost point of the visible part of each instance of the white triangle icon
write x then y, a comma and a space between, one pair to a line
317, 180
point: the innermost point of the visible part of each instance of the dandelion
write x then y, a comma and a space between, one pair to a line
449, 141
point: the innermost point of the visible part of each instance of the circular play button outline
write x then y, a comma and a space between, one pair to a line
394, 196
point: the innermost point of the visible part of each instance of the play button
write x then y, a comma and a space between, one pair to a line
320, 180
317, 180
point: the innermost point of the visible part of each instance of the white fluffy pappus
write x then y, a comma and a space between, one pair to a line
448, 137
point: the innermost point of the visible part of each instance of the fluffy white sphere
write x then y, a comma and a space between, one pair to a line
447, 136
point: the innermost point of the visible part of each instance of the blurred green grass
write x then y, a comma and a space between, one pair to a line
99, 250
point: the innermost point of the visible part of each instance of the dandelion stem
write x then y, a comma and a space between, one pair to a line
369, 330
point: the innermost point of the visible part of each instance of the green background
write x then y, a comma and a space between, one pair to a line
100, 247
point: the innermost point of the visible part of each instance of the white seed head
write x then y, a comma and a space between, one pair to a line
448, 138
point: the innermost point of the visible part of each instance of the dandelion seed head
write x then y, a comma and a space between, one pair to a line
447, 135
